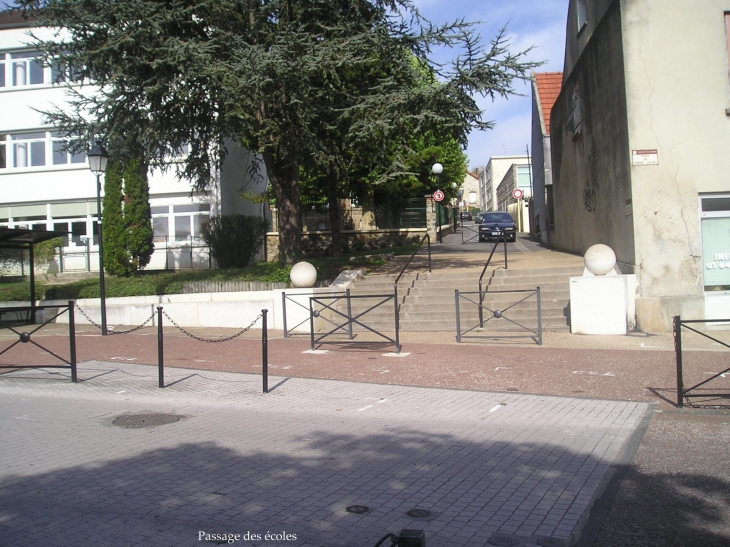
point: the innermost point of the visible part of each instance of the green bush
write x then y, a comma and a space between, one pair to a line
234, 240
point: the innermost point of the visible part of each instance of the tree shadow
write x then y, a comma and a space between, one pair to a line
167, 495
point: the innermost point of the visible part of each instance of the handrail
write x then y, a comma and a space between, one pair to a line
395, 283
481, 294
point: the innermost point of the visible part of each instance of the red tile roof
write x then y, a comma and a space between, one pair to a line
548, 89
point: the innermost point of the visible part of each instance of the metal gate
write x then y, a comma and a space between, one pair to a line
505, 316
326, 308
469, 232
686, 392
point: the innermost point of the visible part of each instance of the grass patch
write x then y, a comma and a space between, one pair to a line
160, 283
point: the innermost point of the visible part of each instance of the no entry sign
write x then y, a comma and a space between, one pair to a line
438, 195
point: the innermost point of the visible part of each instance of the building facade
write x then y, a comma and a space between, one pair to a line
491, 176
639, 139
546, 87
45, 187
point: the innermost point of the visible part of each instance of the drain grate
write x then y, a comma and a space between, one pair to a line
137, 421
357, 509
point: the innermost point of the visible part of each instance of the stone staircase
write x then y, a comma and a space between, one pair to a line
427, 300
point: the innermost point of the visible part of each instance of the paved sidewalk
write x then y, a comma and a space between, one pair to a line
290, 462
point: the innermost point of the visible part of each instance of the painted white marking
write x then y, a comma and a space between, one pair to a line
317, 351
495, 408
723, 375
385, 371
396, 354
364, 408
505, 368
381, 401
125, 358
123, 391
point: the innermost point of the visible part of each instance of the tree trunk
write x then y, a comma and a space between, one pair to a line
335, 217
285, 184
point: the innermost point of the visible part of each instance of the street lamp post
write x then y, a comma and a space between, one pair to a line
437, 169
98, 159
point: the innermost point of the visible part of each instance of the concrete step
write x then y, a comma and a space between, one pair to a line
448, 328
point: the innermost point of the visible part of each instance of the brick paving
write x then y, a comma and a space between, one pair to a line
292, 460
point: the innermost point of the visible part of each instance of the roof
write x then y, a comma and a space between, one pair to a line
13, 19
548, 88
22, 237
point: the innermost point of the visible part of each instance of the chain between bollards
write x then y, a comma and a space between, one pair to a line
265, 350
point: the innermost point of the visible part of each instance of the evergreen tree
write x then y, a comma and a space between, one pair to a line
137, 216
274, 74
116, 260
127, 224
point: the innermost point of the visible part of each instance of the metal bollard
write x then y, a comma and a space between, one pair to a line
160, 357
265, 350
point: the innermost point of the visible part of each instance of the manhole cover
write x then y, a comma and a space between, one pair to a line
145, 420
503, 541
419, 513
357, 509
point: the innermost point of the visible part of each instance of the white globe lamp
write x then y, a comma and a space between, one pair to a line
599, 259
303, 274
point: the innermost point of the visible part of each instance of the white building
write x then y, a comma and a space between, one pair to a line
491, 176
639, 139
44, 187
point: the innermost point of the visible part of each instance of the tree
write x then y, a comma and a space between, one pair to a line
127, 224
269, 73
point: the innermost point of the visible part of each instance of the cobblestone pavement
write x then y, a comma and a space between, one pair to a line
291, 461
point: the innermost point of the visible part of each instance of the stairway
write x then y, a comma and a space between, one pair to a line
427, 300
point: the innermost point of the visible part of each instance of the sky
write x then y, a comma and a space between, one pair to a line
539, 24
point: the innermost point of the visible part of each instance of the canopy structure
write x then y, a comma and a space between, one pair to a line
22, 238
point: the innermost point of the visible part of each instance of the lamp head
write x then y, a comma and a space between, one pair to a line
98, 159
437, 169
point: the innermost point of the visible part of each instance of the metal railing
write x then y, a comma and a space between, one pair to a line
26, 337
328, 302
684, 392
473, 230
426, 238
503, 237
497, 315
292, 298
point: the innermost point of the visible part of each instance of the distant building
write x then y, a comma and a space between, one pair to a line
546, 87
491, 175
470, 198
640, 135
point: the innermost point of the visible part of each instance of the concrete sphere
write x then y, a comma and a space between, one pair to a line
303, 274
599, 259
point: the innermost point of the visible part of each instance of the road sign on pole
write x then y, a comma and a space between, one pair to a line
438, 195
517, 193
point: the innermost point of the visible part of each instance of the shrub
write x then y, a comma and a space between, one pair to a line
234, 240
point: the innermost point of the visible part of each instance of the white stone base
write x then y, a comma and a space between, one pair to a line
602, 304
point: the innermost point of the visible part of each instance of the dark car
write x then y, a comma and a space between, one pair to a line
466, 215
494, 223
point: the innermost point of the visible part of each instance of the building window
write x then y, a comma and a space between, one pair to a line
582, 14
36, 149
715, 226
184, 222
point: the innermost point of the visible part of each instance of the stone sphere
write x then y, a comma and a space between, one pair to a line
303, 274
599, 259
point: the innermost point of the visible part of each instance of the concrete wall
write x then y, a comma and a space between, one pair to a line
540, 159
591, 167
677, 89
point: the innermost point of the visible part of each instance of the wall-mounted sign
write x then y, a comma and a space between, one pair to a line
644, 157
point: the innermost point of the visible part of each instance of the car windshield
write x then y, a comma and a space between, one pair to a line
497, 217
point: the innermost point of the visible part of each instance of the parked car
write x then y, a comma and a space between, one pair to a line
494, 223
466, 215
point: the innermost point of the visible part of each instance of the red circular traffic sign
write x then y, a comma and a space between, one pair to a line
517, 193
438, 195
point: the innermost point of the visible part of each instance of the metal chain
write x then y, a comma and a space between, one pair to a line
110, 332
211, 340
